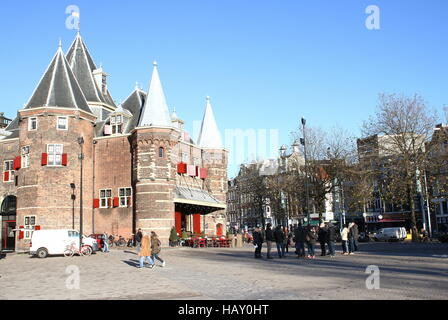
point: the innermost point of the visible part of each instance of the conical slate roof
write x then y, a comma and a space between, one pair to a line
83, 66
58, 87
209, 136
134, 103
155, 110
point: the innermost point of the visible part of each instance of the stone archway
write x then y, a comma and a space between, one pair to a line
8, 215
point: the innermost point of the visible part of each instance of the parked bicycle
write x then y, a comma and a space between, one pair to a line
73, 249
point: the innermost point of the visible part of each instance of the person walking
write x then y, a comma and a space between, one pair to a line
138, 239
300, 235
331, 239
156, 248
105, 243
311, 238
258, 242
322, 238
269, 239
344, 238
145, 252
280, 241
353, 235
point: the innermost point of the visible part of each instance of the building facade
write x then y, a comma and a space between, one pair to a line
136, 164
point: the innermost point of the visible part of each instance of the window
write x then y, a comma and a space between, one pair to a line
161, 152
32, 124
54, 154
185, 157
25, 157
30, 223
125, 196
105, 198
73, 234
117, 124
8, 171
62, 123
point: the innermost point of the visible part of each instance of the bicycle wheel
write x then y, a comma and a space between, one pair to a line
86, 251
69, 253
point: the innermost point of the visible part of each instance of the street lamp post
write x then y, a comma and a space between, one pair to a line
72, 185
303, 142
81, 157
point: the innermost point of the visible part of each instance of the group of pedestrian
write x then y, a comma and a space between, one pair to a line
148, 248
309, 236
279, 236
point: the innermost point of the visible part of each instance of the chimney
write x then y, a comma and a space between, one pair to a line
101, 79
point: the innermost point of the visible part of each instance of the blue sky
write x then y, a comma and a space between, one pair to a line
264, 63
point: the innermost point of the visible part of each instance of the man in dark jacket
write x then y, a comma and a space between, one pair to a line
269, 239
279, 237
300, 235
138, 239
331, 239
258, 242
322, 238
353, 236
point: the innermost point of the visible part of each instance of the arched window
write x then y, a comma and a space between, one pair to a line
8, 206
161, 152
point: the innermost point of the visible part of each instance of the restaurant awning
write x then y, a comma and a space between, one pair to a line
197, 200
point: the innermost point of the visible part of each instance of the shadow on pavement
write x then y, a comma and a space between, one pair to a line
322, 266
132, 263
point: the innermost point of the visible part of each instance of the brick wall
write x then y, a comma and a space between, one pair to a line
113, 170
44, 191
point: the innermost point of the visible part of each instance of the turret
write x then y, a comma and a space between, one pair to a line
51, 123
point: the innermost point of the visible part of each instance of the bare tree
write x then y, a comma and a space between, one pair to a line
403, 126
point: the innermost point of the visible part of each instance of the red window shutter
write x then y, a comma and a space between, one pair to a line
182, 168
6, 176
17, 163
129, 201
36, 228
21, 233
203, 173
116, 202
96, 203
64, 159
109, 203
44, 159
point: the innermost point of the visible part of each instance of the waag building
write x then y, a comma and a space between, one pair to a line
71, 149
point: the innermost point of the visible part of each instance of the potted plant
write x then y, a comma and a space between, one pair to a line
174, 238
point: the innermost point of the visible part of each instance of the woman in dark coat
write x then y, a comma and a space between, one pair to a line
311, 239
155, 248
322, 238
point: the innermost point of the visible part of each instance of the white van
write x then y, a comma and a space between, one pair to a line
55, 242
389, 234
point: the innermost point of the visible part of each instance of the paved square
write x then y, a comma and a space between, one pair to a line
407, 271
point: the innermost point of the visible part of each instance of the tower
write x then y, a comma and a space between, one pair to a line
215, 159
154, 170
56, 115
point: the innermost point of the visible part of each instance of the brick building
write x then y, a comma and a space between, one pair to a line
140, 168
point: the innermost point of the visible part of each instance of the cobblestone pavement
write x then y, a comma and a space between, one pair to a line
407, 271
